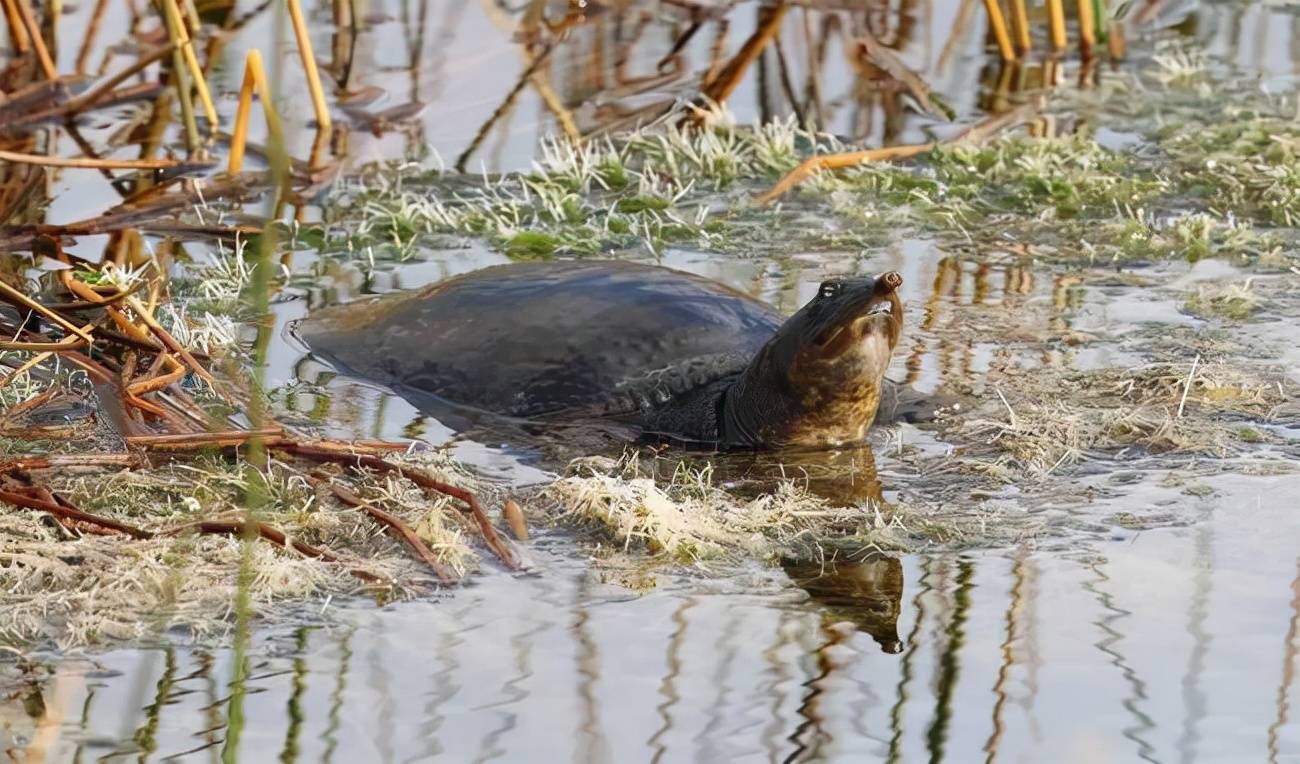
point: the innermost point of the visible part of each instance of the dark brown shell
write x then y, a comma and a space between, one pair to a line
526, 339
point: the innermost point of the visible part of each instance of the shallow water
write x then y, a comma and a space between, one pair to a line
1166, 645
1159, 621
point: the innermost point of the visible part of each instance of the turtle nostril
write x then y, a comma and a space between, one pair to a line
892, 280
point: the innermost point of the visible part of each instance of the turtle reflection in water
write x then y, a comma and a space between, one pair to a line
868, 593
658, 353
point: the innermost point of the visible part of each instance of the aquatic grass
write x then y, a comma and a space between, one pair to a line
688, 520
1245, 162
1026, 428
649, 188
667, 185
1179, 64
104, 589
1235, 302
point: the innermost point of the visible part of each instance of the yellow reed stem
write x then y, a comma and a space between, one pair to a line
1056, 24
254, 80
999, 25
1087, 27
309, 65
17, 29
167, 340
1020, 18
30, 304
182, 38
556, 106
181, 78
38, 42
318, 145
90, 164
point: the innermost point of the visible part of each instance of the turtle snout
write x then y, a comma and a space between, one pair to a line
892, 280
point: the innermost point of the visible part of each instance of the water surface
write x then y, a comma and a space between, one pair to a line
1158, 621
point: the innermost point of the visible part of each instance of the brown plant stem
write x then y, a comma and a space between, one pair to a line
395, 524
275, 536
65, 511
499, 546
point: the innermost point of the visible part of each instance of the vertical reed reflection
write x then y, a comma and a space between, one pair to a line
1197, 612
1013, 617
592, 745
810, 749
213, 721
289, 752
1290, 657
949, 661
924, 587
335, 715
442, 685
145, 736
521, 645
708, 737
668, 687
83, 723
1033, 661
1109, 645
779, 668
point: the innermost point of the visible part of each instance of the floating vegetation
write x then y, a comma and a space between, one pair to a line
690, 520
1158, 407
1231, 301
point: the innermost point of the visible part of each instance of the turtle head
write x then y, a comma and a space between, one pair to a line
817, 382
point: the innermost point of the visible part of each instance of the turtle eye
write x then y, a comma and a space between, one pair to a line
830, 289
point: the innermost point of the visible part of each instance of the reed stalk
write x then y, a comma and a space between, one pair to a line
181, 78
998, 23
1087, 27
37, 40
309, 65
17, 29
91, 34
1020, 18
88, 163
109, 85
1115, 43
181, 38
1056, 24
254, 80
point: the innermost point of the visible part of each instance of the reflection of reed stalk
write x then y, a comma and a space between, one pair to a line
309, 65
1115, 41
254, 79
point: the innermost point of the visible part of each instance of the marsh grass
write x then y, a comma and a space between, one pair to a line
98, 588
1236, 302
664, 186
690, 521
1028, 428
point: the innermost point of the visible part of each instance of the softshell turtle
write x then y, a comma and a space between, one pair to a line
671, 354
